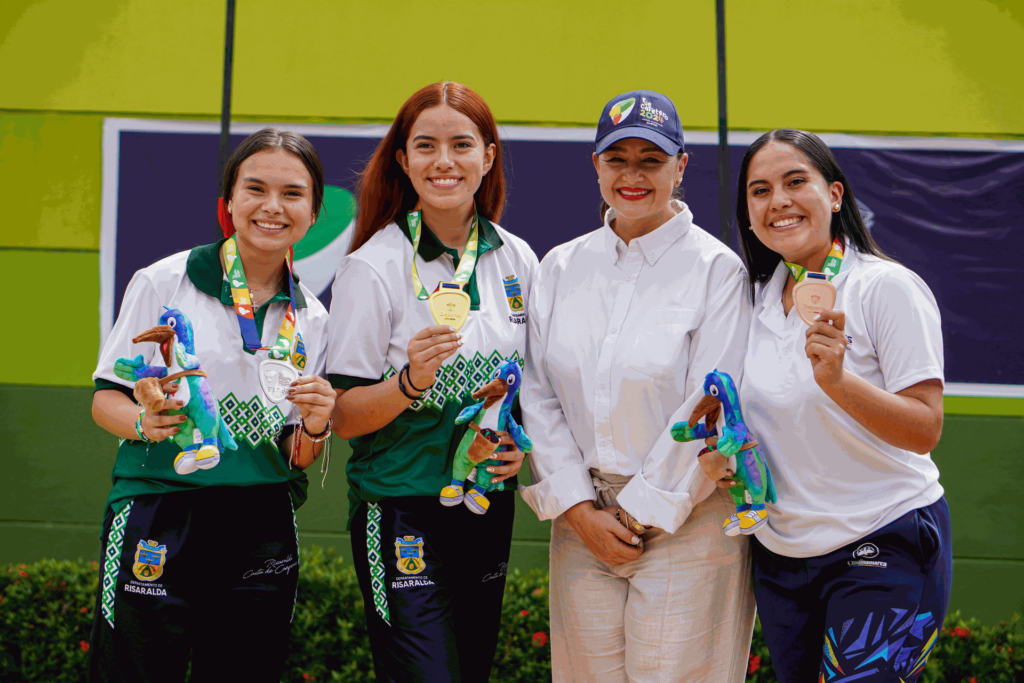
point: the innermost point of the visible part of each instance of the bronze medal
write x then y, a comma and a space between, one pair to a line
812, 296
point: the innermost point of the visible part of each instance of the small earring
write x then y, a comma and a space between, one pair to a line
836, 207
229, 209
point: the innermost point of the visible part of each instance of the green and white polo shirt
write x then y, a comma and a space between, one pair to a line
194, 282
374, 314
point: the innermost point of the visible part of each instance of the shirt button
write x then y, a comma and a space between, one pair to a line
614, 330
601, 385
630, 278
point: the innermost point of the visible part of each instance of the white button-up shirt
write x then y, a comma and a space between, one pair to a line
620, 339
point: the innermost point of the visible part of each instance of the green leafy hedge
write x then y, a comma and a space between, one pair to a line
46, 614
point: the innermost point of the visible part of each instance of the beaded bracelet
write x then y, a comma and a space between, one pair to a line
322, 436
300, 429
630, 522
138, 427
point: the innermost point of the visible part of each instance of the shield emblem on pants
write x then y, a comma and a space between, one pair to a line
149, 561
409, 551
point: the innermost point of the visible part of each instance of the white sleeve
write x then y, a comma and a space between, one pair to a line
141, 309
671, 481
359, 330
906, 330
560, 479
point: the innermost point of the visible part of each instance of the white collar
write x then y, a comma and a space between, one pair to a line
654, 243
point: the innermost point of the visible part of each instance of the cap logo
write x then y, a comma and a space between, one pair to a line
651, 113
621, 110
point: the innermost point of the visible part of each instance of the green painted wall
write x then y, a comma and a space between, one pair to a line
875, 66
57, 481
917, 66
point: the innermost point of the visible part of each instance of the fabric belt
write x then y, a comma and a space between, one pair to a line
607, 485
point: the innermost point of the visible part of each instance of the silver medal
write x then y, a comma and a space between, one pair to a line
276, 377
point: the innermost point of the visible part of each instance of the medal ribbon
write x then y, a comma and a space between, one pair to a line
833, 263
288, 340
463, 272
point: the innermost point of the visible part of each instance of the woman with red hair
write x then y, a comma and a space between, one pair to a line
426, 307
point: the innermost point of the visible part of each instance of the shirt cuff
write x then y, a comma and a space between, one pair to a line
559, 492
666, 510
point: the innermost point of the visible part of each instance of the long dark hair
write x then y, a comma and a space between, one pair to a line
272, 138
846, 223
385, 190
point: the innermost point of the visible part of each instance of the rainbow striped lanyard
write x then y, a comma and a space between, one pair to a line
833, 263
463, 272
244, 310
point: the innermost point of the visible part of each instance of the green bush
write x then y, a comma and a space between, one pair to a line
46, 614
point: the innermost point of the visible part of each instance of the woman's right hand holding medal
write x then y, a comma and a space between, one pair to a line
428, 349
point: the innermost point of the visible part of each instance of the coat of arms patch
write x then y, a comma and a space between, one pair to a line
409, 551
514, 294
149, 561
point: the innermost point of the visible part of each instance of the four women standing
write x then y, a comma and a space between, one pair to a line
616, 330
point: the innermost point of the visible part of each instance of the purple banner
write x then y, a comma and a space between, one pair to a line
954, 217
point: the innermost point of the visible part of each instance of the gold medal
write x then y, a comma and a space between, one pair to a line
813, 295
449, 304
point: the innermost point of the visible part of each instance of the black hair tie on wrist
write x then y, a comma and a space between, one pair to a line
408, 378
401, 386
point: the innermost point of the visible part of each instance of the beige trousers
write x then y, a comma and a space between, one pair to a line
682, 611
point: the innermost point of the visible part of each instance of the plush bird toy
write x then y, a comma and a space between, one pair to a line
754, 479
203, 436
474, 453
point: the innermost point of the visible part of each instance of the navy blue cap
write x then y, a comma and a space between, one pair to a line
641, 114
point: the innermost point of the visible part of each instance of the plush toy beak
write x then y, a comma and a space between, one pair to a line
162, 335
708, 408
493, 391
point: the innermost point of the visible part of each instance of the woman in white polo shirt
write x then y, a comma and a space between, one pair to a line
431, 566
200, 558
625, 323
852, 574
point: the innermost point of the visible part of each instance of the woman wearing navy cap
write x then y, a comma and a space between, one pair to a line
625, 323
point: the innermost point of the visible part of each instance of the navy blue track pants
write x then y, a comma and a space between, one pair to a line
208, 575
433, 580
870, 611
